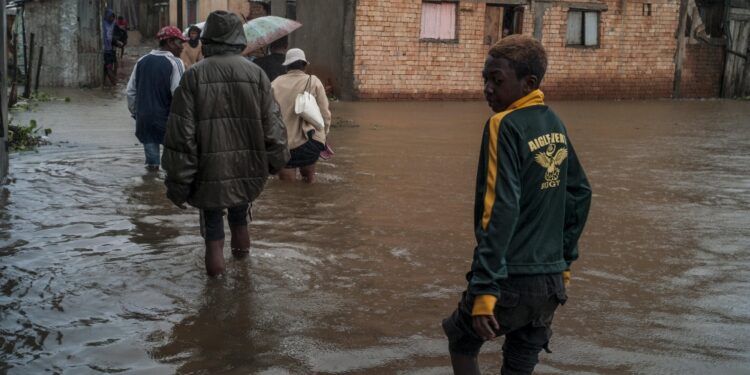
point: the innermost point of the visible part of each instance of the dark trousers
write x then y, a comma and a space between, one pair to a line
524, 312
212, 221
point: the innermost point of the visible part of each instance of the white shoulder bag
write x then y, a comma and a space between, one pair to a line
307, 107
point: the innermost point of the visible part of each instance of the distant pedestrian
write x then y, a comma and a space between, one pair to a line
192, 51
224, 137
120, 34
532, 201
305, 141
258, 8
273, 63
122, 22
110, 56
154, 79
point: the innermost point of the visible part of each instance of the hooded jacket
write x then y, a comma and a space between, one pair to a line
224, 134
532, 197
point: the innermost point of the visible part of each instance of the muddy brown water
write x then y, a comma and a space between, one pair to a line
99, 273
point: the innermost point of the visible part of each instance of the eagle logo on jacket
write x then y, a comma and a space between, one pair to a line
551, 159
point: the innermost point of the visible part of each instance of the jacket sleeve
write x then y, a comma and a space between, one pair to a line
322, 98
274, 131
500, 213
180, 158
131, 91
577, 204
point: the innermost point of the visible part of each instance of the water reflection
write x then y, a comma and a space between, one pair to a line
100, 273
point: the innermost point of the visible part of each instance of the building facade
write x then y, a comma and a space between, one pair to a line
430, 49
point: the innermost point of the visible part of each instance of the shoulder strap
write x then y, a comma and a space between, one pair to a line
309, 78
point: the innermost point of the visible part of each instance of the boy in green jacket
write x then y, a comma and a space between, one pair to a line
532, 200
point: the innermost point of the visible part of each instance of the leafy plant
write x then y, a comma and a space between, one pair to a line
27, 137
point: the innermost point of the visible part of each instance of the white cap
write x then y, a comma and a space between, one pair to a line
294, 54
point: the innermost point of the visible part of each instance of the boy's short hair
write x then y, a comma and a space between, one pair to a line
525, 54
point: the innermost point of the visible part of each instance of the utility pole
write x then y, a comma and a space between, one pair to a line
3, 96
680, 53
179, 14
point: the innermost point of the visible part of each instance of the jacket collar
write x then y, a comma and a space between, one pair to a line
159, 52
535, 97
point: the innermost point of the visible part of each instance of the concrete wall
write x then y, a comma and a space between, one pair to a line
635, 57
321, 37
70, 31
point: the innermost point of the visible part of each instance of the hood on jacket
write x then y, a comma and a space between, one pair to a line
223, 27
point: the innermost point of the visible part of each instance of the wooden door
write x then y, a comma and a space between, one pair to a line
736, 67
493, 24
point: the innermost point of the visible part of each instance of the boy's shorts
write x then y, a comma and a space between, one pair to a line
524, 311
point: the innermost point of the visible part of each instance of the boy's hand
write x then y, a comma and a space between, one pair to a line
485, 326
566, 278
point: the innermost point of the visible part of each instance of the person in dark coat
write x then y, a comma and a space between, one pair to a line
273, 63
224, 137
154, 79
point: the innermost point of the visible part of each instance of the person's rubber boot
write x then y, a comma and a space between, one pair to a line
240, 241
214, 257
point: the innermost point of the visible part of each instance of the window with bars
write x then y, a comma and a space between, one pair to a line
583, 28
438, 21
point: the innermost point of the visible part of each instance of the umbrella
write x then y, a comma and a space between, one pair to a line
263, 31
199, 25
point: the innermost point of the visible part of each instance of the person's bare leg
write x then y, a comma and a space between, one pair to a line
111, 76
464, 364
288, 174
240, 241
214, 257
308, 173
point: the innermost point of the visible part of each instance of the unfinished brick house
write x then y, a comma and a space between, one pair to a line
431, 49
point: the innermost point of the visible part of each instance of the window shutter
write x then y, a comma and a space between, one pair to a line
592, 29
575, 22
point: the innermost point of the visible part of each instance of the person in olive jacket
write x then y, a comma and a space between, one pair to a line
532, 201
224, 137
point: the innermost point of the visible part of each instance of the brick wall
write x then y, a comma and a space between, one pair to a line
635, 57
702, 71
392, 63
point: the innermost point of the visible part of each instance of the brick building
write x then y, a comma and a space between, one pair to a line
430, 49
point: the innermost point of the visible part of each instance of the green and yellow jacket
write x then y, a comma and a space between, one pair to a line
532, 199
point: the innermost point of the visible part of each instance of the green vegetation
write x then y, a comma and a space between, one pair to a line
27, 137
30, 104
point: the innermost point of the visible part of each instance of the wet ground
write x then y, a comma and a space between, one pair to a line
99, 273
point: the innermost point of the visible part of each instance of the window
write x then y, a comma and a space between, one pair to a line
647, 9
192, 8
501, 21
438, 21
583, 28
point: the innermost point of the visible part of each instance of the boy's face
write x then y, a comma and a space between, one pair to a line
194, 35
501, 86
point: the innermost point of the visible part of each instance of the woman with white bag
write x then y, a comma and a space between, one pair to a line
304, 108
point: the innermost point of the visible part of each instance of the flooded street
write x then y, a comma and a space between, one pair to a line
100, 273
